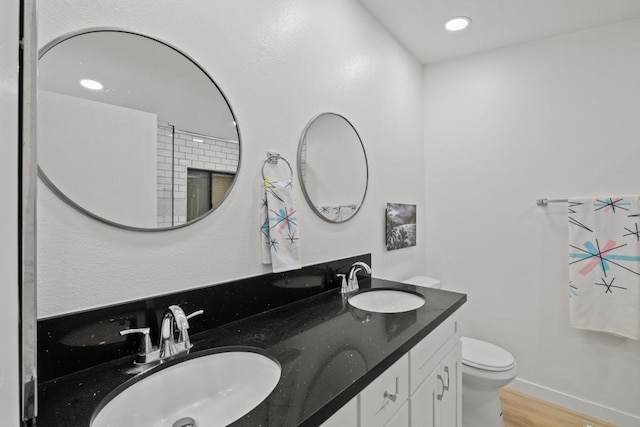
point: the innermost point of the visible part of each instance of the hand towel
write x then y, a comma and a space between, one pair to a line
604, 265
279, 226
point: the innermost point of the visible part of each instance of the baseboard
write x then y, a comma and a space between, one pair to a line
592, 409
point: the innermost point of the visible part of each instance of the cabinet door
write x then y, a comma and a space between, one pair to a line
451, 374
400, 419
425, 406
427, 354
381, 399
347, 416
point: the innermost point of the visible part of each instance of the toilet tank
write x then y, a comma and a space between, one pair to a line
425, 281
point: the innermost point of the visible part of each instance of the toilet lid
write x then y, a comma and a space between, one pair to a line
484, 355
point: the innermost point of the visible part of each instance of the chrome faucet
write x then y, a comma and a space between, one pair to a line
352, 281
147, 353
173, 320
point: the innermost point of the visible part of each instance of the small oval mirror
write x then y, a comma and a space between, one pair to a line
132, 131
332, 167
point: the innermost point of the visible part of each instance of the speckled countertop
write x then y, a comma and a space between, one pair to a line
328, 351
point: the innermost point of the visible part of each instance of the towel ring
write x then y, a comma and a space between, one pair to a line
272, 158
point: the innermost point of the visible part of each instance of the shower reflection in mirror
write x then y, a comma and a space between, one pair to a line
203, 171
132, 131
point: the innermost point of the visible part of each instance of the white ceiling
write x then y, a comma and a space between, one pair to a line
419, 24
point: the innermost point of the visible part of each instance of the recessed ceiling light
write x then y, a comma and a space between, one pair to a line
91, 84
458, 23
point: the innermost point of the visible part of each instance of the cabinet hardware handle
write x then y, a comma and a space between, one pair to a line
391, 397
446, 387
441, 395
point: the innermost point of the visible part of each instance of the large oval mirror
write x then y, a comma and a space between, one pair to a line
133, 132
332, 167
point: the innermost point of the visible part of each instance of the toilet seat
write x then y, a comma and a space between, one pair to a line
486, 356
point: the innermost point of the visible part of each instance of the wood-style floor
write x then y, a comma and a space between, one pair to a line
521, 410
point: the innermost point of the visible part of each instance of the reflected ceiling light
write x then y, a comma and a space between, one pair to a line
197, 139
91, 84
458, 23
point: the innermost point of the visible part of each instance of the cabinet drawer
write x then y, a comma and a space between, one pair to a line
426, 355
381, 399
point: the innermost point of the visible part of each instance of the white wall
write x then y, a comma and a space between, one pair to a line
280, 63
9, 365
553, 118
102, 156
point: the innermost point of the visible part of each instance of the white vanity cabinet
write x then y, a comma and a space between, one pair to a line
423, 388
436, 378
347, 416
401, 418
451, 403
382, 399
384, 402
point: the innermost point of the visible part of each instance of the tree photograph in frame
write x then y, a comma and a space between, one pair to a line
401, 226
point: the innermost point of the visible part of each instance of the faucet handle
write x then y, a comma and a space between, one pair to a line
145, 345
194, 314
343, 280
181, 319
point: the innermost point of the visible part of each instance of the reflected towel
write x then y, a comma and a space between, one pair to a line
279, 226
604, 265
336, 213
332, 213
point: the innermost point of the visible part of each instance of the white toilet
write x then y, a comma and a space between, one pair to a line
485, 368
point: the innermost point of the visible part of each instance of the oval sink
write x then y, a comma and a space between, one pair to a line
211, 390
387, 301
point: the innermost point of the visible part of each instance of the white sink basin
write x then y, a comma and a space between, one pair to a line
214, 390
387, 301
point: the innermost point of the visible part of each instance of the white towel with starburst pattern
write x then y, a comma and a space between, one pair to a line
604, 264
279, 226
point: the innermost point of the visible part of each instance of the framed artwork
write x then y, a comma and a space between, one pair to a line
401, 226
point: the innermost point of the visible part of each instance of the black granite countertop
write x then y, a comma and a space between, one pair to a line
328, 352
